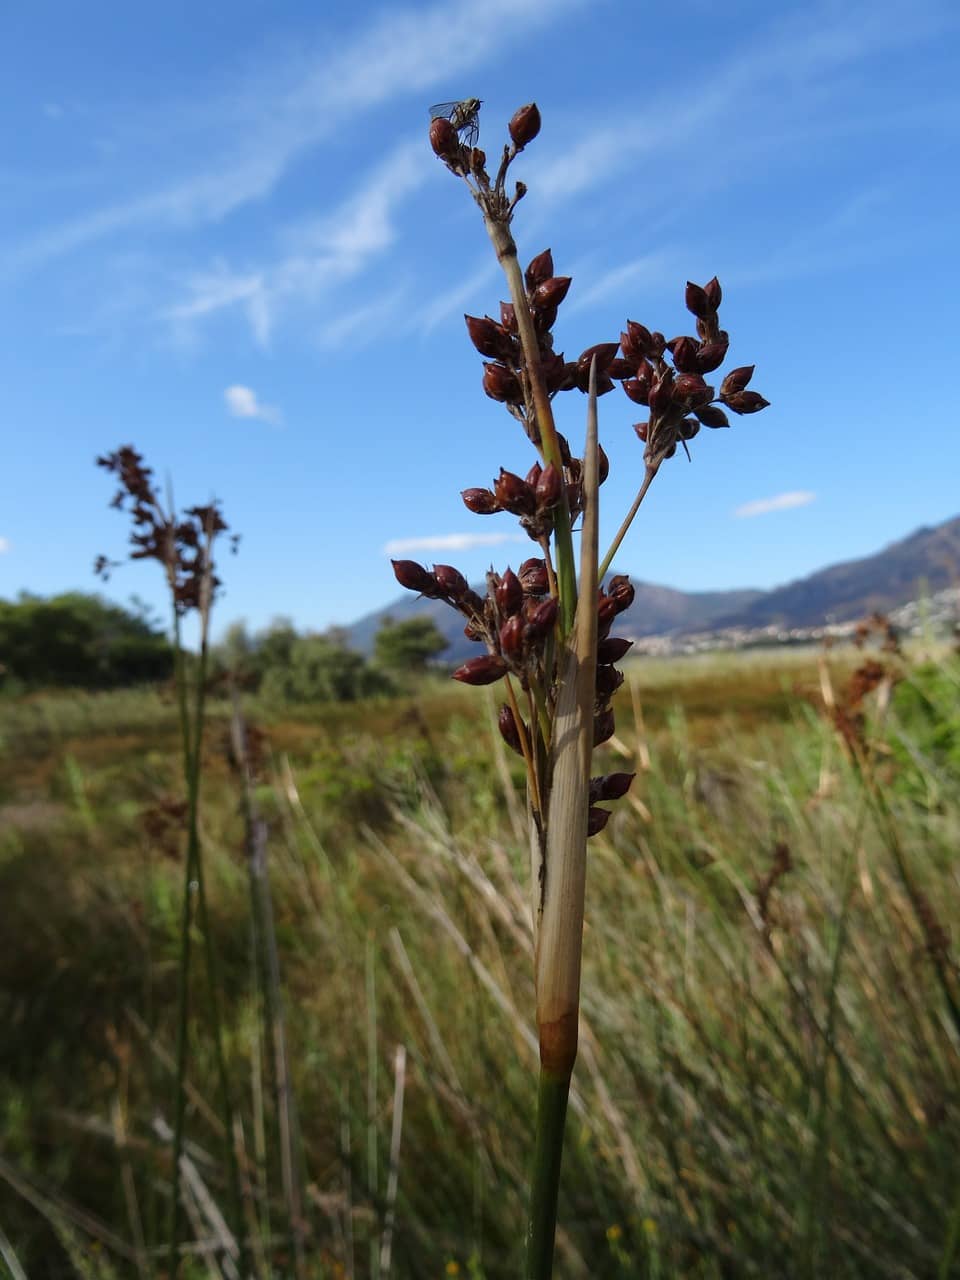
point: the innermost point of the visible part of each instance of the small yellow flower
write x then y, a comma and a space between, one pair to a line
614, 1233
452, 1268
650, 1227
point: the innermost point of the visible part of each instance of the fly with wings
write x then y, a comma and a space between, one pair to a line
463, 115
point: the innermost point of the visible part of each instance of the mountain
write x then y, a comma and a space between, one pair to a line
925, 562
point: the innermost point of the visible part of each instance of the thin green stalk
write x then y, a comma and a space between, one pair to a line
210, 954
192, 747
627, 522
183, 966
545, 1176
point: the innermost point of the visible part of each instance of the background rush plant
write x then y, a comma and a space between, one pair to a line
184, 547
557, 659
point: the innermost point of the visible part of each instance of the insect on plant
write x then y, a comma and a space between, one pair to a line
463, 116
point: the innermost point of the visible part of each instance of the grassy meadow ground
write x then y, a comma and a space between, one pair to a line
769, 1077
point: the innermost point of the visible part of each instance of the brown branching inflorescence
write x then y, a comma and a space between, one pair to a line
182, 545
848, 711
522, 617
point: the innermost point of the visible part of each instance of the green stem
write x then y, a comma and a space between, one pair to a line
627, 522
545, 1177
183, 972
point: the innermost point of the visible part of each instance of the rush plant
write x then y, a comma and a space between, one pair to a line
184, 545
545, 631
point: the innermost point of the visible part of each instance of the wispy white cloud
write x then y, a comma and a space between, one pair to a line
777, 74
242, 146
782, 502
449, 542
650, 270
243, 402
321, 252
440, 307
52, 110
4, 546
362, 321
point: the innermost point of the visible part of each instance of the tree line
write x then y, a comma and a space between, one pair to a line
75, 640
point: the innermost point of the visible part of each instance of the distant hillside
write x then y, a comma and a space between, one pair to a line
655, 610
926, 561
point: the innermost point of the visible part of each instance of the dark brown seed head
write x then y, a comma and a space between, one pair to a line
415, 577
621, 590
544, 318
736, 379
603, 726
745, 402
489, 338
484, 670
697, 301
635, 342
453, 585
539, 270
500, 384
533, 475
612, 786
685, 353
542, 618
608, 681
712, 415
524, 125
605, 353
691, 390
603, 465
514, 494
550, 293
618, 369
480, 501
711, 356
507, 724
548, 488
638, 389
509, 594
444, 138
508, 317
714, 292
511, 637
533, 577
661, 392
612, 649
597, 819
606, 610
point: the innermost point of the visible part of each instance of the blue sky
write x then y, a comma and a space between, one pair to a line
223, 237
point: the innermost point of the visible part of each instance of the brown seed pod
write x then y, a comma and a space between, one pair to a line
509, 594
745, 402
484, 670
415, 577
524, 125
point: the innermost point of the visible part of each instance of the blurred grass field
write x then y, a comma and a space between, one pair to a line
769, 1078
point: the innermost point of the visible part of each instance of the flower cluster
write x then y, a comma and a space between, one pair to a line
521, 619
679, 399
182, 545
516, 621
